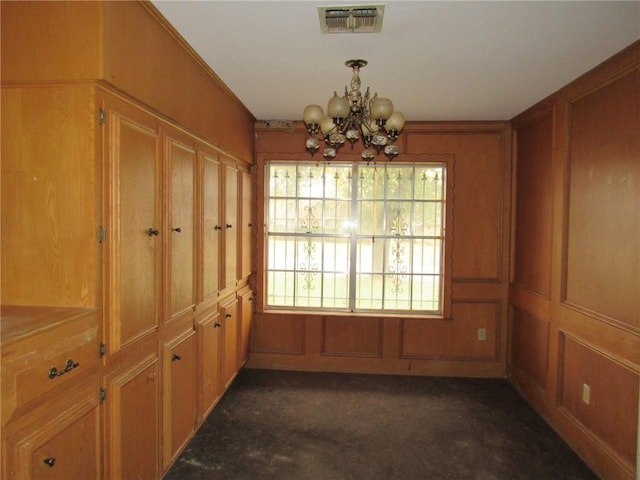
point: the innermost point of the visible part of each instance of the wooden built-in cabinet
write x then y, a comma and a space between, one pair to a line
231, 230
133, 230
117, 188
179, 402
162, 347
246, 230
51, 395
211, 227
246, 301
183, 244
132, 412
181, 232
228, 320
208, 340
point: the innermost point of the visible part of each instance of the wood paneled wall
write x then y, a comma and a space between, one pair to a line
129, 46
480, 159
575, 293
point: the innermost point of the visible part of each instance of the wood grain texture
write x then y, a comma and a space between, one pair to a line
480, 185
60, 39
352, 336
603, 225
592, 307
50, 197
534, 199
612, 411
529, 346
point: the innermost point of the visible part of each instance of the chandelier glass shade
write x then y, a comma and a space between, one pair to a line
354, 117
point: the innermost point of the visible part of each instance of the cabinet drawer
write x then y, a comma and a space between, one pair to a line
59, 443
39, 361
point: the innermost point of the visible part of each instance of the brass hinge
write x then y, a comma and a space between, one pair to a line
102, 234
102, 116
103, 349
103, 394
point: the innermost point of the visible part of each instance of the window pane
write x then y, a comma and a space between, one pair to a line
369, 291
428, 183
426, 292
281, 288
427, 221
395, 231
399, 182
426, 257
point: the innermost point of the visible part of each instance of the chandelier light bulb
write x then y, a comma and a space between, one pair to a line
313, 114
327, 126
381, 108
395, 122
338, 107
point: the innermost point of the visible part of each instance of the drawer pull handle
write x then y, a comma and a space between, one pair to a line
228, 315
51, 461
218, 227
229, 225
152, 232
177, 229
176, 357
55, 373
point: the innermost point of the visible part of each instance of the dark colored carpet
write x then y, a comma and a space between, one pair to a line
317, 426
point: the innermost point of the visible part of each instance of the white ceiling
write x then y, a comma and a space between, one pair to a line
437, 60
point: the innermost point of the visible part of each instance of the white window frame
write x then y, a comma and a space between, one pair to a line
443, 310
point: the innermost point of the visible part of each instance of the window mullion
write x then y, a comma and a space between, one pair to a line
355, 206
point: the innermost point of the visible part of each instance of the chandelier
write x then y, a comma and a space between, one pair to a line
354, 117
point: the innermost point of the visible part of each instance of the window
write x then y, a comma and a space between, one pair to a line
355, 237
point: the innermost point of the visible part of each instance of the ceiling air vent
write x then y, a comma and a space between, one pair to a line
351, 19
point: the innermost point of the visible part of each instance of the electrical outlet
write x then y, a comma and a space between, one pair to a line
586, 393
482, 334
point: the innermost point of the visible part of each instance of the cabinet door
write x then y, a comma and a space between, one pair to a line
209, 388
245, 298
181, 235
179, 394
246, 227
211, 226
231, 226
132, 418
229, 325
134, 230
66, 447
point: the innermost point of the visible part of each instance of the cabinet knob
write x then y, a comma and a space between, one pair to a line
152, 232
228, 315
228, 225
176, 357
216, 325
178, 229
51, 461
217, 227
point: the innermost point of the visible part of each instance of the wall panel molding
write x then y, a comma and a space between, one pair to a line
602, 242
600, 393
